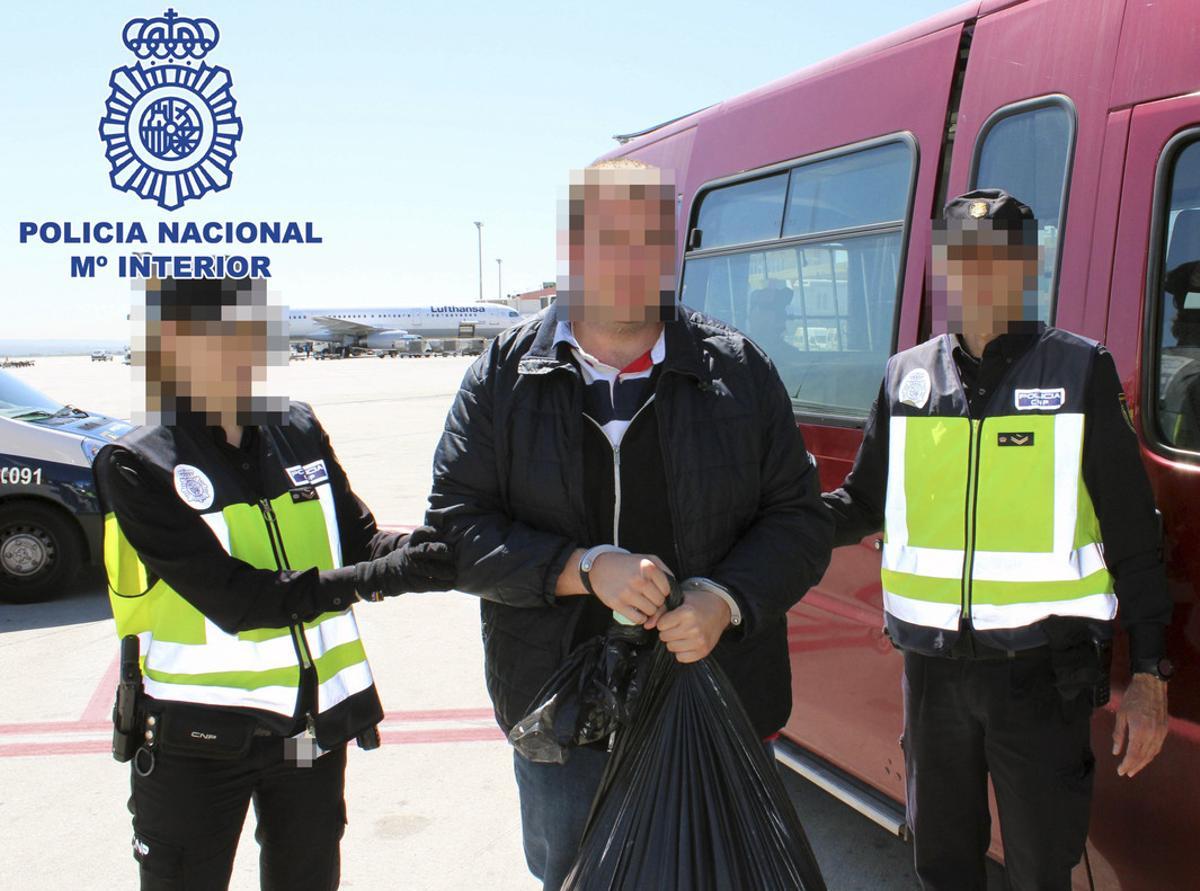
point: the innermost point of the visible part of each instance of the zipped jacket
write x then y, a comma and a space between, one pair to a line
741, 491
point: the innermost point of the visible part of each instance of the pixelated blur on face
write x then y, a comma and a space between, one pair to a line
617, 246
982, 282
214, 362
205, 349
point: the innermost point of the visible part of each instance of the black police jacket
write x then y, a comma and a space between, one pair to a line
135, 481
743, 496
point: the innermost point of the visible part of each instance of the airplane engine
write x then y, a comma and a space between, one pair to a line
384, 340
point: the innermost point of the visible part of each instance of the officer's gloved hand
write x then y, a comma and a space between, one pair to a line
422, 563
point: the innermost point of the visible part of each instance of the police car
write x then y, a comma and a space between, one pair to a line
50, 518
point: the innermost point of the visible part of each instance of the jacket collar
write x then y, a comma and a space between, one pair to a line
1011, 345
681, 336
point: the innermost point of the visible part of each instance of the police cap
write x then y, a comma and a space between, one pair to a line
990, 209
196, 299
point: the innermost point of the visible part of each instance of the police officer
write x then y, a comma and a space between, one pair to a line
234, 549
1000, 462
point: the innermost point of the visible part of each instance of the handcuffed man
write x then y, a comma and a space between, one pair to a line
609, 441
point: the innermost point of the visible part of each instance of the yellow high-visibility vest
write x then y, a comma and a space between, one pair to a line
185, 656
989, 519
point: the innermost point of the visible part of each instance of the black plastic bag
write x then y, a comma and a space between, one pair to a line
690, 799
593, 692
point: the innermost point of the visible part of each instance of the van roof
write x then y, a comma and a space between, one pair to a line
962, 13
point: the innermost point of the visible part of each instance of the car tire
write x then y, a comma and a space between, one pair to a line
40, 551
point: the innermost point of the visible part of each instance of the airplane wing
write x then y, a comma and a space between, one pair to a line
342, 326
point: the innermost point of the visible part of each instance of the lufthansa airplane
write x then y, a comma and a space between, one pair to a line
381, 326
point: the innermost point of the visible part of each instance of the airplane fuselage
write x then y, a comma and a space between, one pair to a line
333, 324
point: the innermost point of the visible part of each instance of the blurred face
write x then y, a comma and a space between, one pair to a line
618, 244
983, 284
200, 346
214, 364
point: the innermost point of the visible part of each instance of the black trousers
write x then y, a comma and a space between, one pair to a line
188, 815
965, 719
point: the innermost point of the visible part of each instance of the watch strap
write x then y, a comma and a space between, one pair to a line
1161, 668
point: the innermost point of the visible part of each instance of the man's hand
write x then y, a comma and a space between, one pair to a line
1143, 713
692, 630
419, 564
634, 585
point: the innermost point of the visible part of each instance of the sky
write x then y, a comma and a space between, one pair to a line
391, 127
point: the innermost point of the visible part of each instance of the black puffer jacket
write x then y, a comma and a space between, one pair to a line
744, 497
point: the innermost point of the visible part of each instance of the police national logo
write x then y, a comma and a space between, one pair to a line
914, 389
193, 486
169, 128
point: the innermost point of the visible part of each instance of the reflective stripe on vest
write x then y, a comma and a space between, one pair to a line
187, 658
1003, 529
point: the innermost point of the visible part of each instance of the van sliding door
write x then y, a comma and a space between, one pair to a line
1153, 331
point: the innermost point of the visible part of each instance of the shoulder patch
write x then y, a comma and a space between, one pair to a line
315, 472
914, 389
193, 486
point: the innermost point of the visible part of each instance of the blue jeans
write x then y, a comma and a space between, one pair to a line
555, 801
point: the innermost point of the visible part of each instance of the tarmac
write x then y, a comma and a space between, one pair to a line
435, 807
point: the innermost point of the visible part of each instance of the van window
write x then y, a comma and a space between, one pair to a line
1026, 150
821, 299
848, 191
746, 212
1176, 401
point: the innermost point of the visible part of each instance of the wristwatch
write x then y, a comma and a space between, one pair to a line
588, 560
1163, 669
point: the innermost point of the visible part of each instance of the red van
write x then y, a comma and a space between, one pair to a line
805, 210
